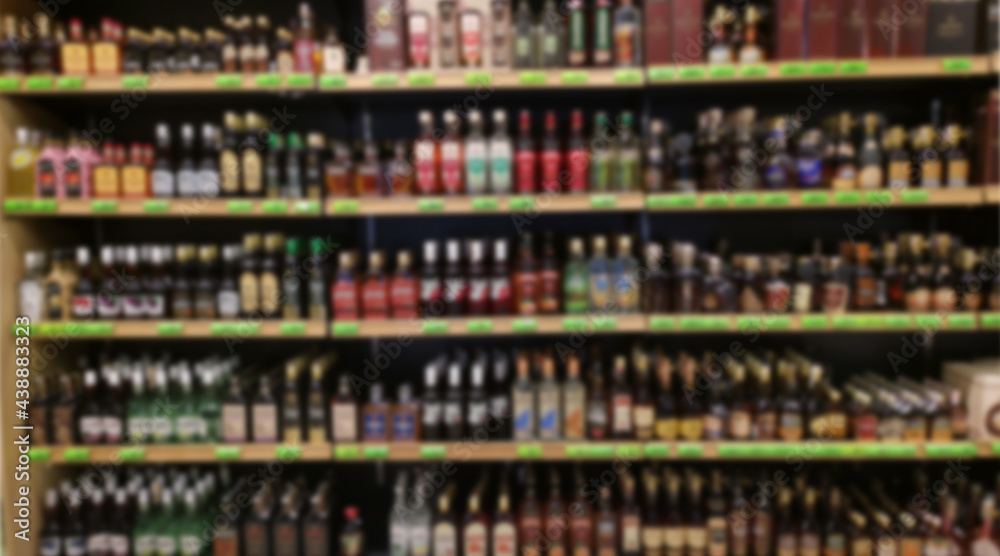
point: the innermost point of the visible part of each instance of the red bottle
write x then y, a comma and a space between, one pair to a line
500, 290
305, 41
403, 288
577, 156
552, 155
526, 280
344, 295
479, 281
375, 291
549, 276
430, 282
526, 159
452, 156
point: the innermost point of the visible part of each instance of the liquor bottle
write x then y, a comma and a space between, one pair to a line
551, 36
628, 35
601, 34
667, 424
499, 154
625, 271
334, 55
870, 156
628, 171
51, 537
750, 52
113, 422
985, 544
549, 400
597, 407
367, 171
719, 296
448, 40
845, 169
476, 155
605, 526
657, 174
31, 300
602, 160
49, 170
432, 410
316, 529
456, 285
206, 175
375, 416
234, 413
444, 536
499, 402
399, 529
453, 409
251, 161
305, 41
400, 171
11, 60
64, 422
477, 406
352, 536
552, 176
523, 401
452, 156
525, 156
337, 172
917, 290
686, 280
957, 162
316, 406
622, 398
374, 290
91, 422
345, 291
575, 279
525, 46
96, 525
474, 531
478, 297
786, 539
42, 56
530, 519
427, 155
721, 51
692, 415
249, 279
133, 302
109, 302
291, 406
943, 281
264, 413
344, 412
548, 278
291, 284
270, 278
228, 295
643, 411
716, 526
503, 537
500, 283
673, 523
969, 295
740, 425
84, 300
574, 399
600, 283
403, 294
525, 280
286, 154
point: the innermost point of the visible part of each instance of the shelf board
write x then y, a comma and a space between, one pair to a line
452, 451
529, 204
543, 79
523, 326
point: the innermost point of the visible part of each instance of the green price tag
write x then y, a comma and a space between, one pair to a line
300, 80
598, 452
656, 450
990, 320
662, 323
239, 207
229, 81
996, 448
156, 207
435, 327
715, 200
823, 68
854, 67
132, 454
532, 77
704, 323
37, 83
961, 321
420, 79
39, 454
430, 205
523, 202
346, 328
675, 200
746, 200
70, 83
16, 205
950, 449
883, 197
306, 207
813, 322
571, 324
830, 450
529, 451
227, 453
432, 452
274, 207
332, 81
133, 81
76, 454
97, 329
104, 206
630, 451
380, 451
660, 73
233, 329
292, 329
603, 201
690, 450
812, 198
927, 320
485, 204
891, 451
753, 70
169, 329
45, 205
478, 78
898, 320
847, 197
606, 323
10, 83
915, 196
385, 80
852, 321
288, 452
346, 206
627, 76
792, 69
524, 325
730, 450
692, 72
346, 452
268, 80
479, 326
777, 199
956, 64
764, 323
722, 71
574, 77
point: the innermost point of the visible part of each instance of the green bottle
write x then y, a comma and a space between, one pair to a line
208, 405
139, 424
144, 540
602, 154
628, 164
188, 535
189, 424
576, 279
161, 423
166, 525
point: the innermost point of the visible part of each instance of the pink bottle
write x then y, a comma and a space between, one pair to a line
49, 170
78, 167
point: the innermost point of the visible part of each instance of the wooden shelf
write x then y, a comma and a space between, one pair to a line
459, 452
544, 79
523, 326
466, 205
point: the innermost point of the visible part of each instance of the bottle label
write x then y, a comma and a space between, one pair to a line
836, 545
551, 167
206, 185
667, 428
790, 426
524, 422
444, 540
419, 40
626, 291
918, 299
692, 428
252, 172
810, 172
548, 414
456, 291
911, 546
106, 181
475, 166
187, 183
695, 538
249, 293
958, 173
862, 546
374, 426
345, 427
475, 539
451, 167
525, 160
165, 544
189, 428
404, 426
504, 540
265, 422
134, 182
432, 414
229, 169
154, 305
500, 294
787, 545
375, 300
304, 55
834, 297
71, 177
931, 173
899, 173
423, 154
500, 154
145, 545
333, 59
739, 424
404, 296
92, 430
809, 545
345, 300
471, 37
870, 177
573, 411
578, 162
228, 304
622, 413
713, 426
139, 429
132, 306
717, 530
163, 183
430, 291
112, 427
83, 306
49, 546
602, 35
597, 419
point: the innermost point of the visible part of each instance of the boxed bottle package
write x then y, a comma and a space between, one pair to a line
457, 34
854, 33
952, 27
980, 384
659, 48
384, 28
822, 25
790, 23
688, 24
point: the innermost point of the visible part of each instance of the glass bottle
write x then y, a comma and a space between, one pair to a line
345, 291
628, 166
655, 290
499, 155
718, 294
31, 299
625, 272
551, 156
426, 155
628, 35
599, 270
500, 280
337, 172
403, 292
602, 160
525, 47
548, 278
601, 39
456, 284
870, 173
525, 280
523, 399
452, 156
475, 155
575, 279
375, 289
525, 156
344, 412
686, 280
367, 171
432, 409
